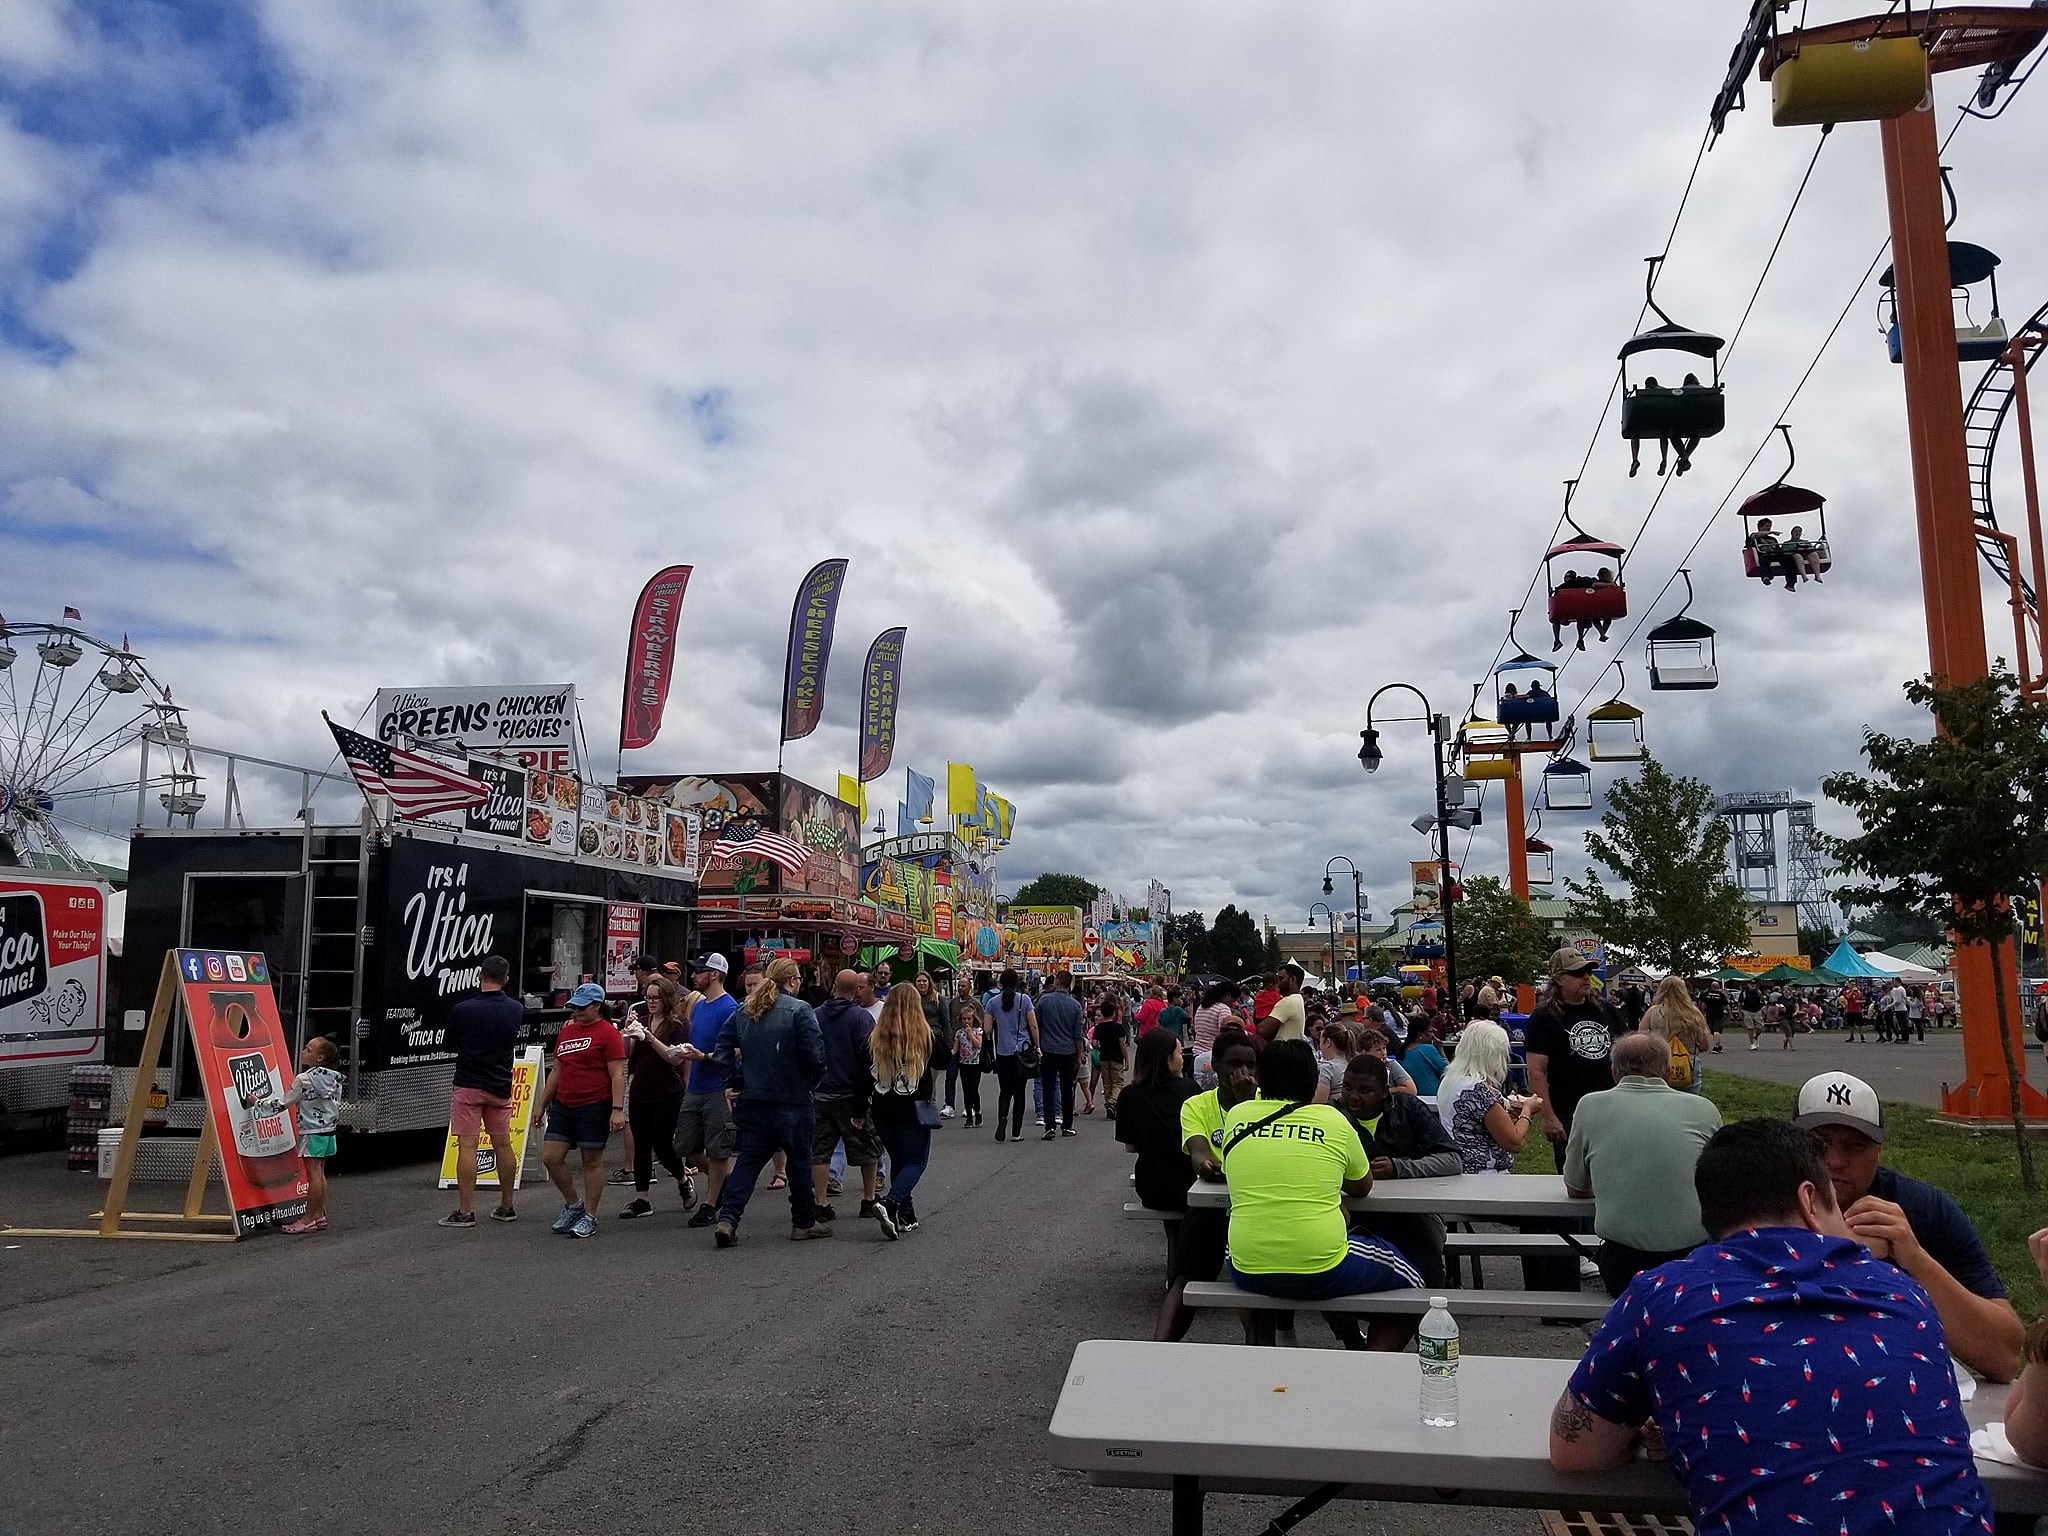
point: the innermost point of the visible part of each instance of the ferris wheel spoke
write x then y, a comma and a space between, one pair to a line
65, 734
77, 754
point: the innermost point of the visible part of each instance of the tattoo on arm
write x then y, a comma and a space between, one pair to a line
1570, 1419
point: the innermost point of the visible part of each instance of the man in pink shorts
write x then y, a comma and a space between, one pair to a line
483, 1031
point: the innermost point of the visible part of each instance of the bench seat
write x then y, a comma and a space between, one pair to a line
1409, 1303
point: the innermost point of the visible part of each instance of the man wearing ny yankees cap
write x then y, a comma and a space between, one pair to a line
1915, 1225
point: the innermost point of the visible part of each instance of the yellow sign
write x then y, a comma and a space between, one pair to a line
525, 1083
1756, 965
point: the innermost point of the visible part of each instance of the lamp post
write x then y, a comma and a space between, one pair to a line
1335, 953
1370, 757
1357, 902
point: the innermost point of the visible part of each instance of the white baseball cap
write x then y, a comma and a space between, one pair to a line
714, 962
1836, 1098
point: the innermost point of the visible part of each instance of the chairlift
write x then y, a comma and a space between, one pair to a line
1525, 698
1567, 785
1592, 601
1614, 730
1968, 265
1425, 940
1537, 855
1483, 746
1862, 81
1772, 544
1680, 651
1675, 416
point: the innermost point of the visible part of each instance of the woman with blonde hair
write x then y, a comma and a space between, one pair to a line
1676, 1019
773, 1052
900, 1052
1488, 1127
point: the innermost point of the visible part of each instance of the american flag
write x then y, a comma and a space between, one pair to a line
751, 838
73, 613
417, 785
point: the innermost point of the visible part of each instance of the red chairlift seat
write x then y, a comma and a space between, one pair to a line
1581, 602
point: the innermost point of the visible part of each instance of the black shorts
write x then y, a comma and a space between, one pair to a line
1198, 1254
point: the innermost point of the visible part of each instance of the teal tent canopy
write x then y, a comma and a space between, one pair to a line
1846, 962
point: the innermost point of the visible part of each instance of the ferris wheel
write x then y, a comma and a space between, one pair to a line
75, 712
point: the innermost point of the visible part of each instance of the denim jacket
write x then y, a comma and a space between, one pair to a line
775, 1059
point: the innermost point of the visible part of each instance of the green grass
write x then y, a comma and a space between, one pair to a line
1979, 1170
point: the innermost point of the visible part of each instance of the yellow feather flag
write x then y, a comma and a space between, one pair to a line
963, 794
1006, 816
855, 794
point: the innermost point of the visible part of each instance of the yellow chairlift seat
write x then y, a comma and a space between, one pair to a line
1614, 732
1854, 82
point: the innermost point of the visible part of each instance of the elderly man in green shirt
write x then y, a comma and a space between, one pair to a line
1632, 1152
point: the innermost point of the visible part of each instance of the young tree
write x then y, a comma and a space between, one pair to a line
1056, 890
1498, 935
1236, 946
1661, 839
1955, 826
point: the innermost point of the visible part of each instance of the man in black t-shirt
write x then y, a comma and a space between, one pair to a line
1569, 1038
483, 1031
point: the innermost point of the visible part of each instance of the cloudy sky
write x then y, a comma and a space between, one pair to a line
1178, 373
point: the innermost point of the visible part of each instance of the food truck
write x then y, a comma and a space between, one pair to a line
53, 967
374, 930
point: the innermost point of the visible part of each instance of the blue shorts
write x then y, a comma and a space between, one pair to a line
1368, 1265
581, 1125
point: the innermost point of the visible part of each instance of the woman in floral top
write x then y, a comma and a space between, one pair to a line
1488, 1128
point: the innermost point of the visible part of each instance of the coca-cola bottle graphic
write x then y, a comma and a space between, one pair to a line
266, 1145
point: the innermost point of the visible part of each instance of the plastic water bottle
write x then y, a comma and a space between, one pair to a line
1437, 1347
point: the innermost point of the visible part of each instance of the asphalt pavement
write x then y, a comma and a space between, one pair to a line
391, 1376
1912, 1073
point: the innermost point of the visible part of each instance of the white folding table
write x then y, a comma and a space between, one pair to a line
1482, 1196
1316, 1425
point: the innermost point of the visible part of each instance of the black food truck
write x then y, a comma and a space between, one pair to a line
374, 932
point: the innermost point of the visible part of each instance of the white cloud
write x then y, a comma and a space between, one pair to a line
1178, 375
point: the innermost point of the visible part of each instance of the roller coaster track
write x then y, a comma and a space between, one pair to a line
1983, 421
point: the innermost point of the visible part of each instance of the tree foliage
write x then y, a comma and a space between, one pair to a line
1236, 946
1954, 826
1187, 935
1661, 839
1498, 935
1056, 890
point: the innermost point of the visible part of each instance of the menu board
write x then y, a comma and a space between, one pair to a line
605, 825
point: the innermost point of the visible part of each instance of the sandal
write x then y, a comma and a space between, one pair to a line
778, 1182
302, 1225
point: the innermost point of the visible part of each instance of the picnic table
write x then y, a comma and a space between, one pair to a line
1485, 1196
1316, 1425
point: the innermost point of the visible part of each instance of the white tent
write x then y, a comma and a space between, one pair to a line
1898, 968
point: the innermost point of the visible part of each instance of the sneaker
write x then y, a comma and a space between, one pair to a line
834, 1187
885, 1220
1038, 1120
867, 1210
999, 1134
1588, 1270
686, 1191
586, 1226
620, 1176
458, 1219
704, 1217
946, 1113
504, 1213
636, 1209
725, 1234
571, 1214
824, 1213
805, 1234
906, 1220
1049, 1132
1068, 1130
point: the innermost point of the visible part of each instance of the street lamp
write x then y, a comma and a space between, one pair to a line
1335, 953
1447, 815
1357, 902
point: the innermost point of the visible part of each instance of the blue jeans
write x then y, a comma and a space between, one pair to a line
909, 1146
764, 1130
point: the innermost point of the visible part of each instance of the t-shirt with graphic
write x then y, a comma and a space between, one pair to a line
1799, 1383
1576, 1037
583, 1057
1286, 1187
1202, 1116
705, 1021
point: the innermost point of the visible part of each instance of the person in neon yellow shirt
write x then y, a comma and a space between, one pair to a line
1290, 1162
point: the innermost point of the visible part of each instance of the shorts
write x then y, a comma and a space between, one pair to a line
1198, 1253
835, 1123
1367, 1265
581, 1125
472, 1108
311, 1145
704, 1128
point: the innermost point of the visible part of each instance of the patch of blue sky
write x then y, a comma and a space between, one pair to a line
709, 412
144, 82
131, 540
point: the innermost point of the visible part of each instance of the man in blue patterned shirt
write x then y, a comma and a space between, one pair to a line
1796, 1381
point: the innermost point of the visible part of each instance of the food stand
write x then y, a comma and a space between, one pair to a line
375, 930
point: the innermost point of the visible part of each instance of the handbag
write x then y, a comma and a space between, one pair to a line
927, 1113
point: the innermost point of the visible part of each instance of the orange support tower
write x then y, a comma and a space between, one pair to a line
1955, 37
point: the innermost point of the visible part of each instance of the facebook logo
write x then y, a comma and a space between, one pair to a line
192, 968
